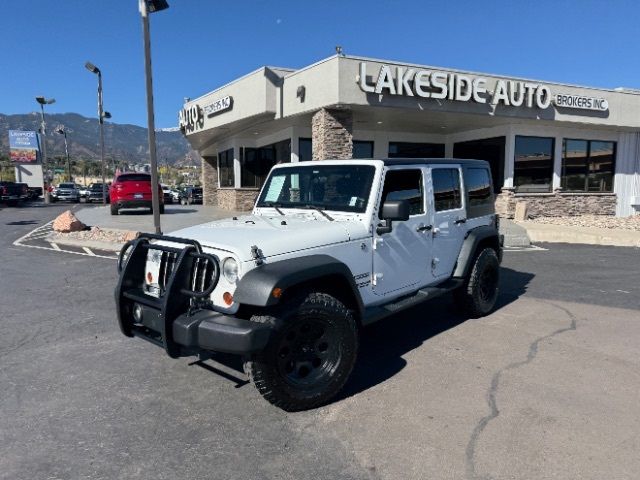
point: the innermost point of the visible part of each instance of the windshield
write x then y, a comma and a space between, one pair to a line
67, 185
331, 187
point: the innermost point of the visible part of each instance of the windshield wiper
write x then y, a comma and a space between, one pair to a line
319, 208
274, 205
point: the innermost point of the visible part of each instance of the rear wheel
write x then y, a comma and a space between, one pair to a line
310, 355
114, 209
477, 297
161, 208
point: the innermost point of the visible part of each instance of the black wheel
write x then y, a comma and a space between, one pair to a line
477, 297
161, 208
114, 209
310, 354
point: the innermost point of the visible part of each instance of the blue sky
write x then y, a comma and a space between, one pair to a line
198, 45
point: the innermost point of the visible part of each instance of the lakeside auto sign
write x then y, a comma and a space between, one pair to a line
407, 81
23, 146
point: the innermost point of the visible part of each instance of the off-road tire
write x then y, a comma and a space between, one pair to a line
114, 209
268, 369
477, 297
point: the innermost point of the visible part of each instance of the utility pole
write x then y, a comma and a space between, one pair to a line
43, 131
146, 7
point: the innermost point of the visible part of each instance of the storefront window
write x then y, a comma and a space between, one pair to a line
588, 165
255, 163
362, 149
225, 168
305, 149
416, 150
533, 167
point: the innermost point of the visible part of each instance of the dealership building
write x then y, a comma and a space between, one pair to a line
562, 149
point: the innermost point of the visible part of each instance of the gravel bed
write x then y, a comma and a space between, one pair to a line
594, 221
99, 234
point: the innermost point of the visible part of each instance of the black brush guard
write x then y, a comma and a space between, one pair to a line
174, 320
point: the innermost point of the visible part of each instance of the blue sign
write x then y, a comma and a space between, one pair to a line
23, 146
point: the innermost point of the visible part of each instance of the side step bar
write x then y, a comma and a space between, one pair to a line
373, 314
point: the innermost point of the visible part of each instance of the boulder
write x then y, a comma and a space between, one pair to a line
68, 222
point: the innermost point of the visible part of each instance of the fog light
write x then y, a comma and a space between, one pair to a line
137, 313
228, 298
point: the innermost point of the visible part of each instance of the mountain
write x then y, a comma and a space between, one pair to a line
122, 142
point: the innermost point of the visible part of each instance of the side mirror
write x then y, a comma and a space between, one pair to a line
393, 210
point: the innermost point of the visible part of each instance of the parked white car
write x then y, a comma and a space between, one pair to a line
330, 247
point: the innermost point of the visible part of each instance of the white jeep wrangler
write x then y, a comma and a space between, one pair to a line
329, 248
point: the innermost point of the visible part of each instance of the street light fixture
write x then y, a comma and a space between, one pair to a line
63, 131
43, 131
101, 116
146, 7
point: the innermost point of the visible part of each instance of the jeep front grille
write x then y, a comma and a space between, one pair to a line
201, 276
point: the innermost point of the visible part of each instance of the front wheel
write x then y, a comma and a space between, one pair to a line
477, 297
310, 355
114, 209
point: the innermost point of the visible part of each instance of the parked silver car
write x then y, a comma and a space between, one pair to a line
66, 192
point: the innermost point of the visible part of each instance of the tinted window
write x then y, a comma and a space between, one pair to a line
478, 186
404, 185
588, 165
305, 149
362, 149
255, 163
225, 168
135, 177
416, 150
446, 188
67, 185
533, 164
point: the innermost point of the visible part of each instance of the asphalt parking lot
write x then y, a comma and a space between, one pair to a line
545, 387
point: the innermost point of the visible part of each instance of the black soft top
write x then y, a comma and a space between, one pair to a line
441, 161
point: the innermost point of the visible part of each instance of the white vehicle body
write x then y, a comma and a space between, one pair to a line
384, 266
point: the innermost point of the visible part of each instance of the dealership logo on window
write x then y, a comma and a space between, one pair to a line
218, 106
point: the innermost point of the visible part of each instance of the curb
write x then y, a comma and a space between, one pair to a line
581, 235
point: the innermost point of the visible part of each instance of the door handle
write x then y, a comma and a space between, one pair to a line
423, 228
460, 220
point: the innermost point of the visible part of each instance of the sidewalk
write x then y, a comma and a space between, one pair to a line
539, 232
174, 218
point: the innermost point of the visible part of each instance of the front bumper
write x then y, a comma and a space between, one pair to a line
175, 321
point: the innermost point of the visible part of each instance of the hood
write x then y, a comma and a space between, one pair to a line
299, 232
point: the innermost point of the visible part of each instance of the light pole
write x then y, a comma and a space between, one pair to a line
43, 130
62, 131
146, 7
101, 116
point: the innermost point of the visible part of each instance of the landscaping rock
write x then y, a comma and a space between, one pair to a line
68, 222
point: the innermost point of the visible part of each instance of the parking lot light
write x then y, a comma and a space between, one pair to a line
43, 130
101, 116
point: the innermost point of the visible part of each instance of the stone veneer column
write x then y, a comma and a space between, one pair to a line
332, 134
210, 180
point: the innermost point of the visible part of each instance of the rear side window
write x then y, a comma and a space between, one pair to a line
134, 177
446, 189
478, 186
404, 185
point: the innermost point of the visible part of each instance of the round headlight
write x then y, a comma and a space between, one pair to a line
230, 270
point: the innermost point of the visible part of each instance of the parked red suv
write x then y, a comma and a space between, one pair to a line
132, 190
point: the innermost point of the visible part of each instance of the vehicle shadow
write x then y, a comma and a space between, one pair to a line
383, 344
22, 222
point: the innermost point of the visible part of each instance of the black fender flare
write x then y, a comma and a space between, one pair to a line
256, 287
483, 234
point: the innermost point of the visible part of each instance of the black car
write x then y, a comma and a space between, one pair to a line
94, 193
191, 195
